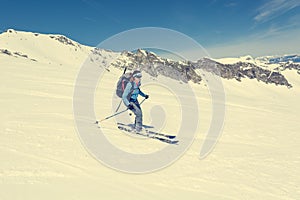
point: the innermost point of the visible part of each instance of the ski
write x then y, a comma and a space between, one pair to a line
153, 132
161, 134
152, 136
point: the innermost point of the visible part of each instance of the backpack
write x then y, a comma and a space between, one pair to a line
123, 80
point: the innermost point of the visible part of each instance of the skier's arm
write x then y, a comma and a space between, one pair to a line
126, 93
142, 93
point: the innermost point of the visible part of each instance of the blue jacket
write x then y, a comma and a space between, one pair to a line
135, 93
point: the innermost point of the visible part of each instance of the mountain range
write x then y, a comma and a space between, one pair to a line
266, 69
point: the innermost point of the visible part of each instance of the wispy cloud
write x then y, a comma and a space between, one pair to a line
277, 38
90, 19
274, 8
276, 41
231, 4
276, 28
212, 2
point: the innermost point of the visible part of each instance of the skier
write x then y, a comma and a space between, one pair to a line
130, 96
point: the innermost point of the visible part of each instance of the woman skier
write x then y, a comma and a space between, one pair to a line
129, 97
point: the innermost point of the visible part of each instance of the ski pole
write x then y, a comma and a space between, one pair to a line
97, 122
119, 106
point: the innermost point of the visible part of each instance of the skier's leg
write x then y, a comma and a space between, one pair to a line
138, 116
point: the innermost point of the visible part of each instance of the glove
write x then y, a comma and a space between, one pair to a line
130, 107
146, 96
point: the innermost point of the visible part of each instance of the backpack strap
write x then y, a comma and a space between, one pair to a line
131, 91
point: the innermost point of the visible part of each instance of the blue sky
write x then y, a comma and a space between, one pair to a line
224, 27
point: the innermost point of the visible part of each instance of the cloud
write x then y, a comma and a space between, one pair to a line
274, 8
276, 28
231, 4
274, 42
89, 19
277, 43
278, 37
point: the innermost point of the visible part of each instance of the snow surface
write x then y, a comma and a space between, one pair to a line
41, 156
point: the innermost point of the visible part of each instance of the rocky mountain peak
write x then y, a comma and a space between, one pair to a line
155, 65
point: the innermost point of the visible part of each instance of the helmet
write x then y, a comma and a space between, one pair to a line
137, 74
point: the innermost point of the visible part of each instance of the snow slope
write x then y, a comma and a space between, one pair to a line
42, 157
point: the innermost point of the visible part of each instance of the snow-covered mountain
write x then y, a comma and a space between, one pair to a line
263, 60
282, 59
264, 69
